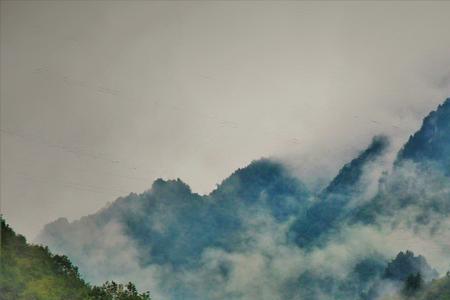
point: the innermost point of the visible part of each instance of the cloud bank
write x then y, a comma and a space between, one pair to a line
261, 234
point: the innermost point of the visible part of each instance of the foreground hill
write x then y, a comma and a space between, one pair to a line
32, 272
436, 290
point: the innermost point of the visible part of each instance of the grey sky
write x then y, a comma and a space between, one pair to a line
100, 98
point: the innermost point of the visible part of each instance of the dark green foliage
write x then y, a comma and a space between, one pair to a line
413, 284
114, 291
437, 290
31, 272
415, 288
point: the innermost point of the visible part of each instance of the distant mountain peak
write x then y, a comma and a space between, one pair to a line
261, 171
172, 185
351, 173
332, 202
405, 264
432, 142
261, 176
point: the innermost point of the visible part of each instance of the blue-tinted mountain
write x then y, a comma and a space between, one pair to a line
419, 181
333, 200
267, 184
199, 244
346, 181
170, 224
432, 142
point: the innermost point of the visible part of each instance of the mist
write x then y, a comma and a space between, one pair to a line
258, 236
98, 99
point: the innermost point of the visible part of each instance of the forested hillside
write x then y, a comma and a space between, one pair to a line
32, 272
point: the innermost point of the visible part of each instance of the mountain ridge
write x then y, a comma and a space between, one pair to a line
263, 210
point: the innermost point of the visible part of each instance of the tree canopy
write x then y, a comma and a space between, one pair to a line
32, 272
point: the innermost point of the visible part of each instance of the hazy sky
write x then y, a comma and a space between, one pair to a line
100, 98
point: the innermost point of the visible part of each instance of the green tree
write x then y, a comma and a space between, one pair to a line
111, 290
31, 272
413, 284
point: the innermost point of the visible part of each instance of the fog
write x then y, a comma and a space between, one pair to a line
100, 98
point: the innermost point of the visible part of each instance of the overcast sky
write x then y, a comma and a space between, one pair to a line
100, 98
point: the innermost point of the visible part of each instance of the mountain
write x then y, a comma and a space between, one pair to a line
432, 142
33, 272
346, 181
170, 224
332, 202
417, 190
264, 183
261, 234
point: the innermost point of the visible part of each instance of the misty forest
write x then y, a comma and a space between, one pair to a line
376, 231
224, 150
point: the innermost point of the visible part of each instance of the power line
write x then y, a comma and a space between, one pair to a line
71, 184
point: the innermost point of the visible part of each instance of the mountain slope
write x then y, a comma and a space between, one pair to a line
333, 200
431, 143
170, 224
31, 272
436, 290
417, 191
262, 235
264, 183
